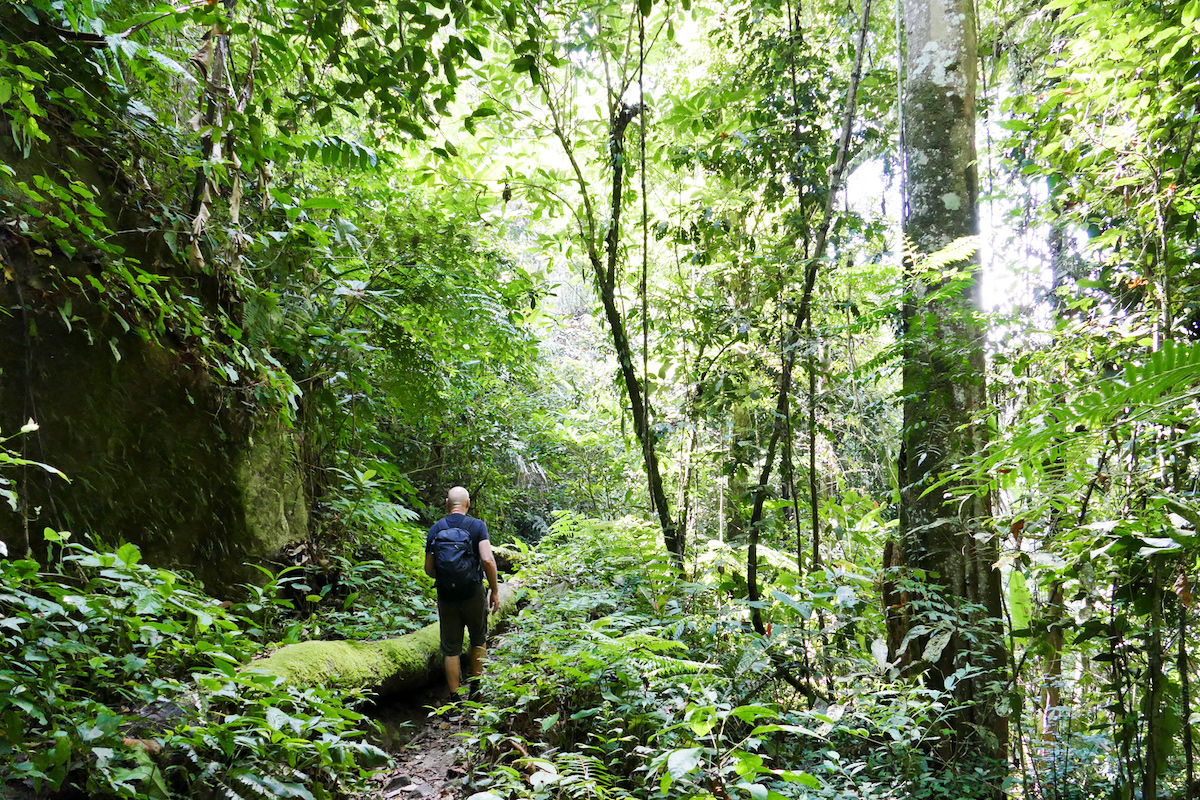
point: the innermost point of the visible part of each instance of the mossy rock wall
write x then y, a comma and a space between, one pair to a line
153, 454
157, 453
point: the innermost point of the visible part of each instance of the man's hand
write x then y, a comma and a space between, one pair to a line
494, 601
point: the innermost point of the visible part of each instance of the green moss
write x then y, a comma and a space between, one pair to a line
273, 503
349, 665
385, 666
508, 558
153, 456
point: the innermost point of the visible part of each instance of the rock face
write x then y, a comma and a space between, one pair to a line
158, 452
153, 454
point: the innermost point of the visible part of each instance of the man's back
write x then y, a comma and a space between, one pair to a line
470, 609
454, 541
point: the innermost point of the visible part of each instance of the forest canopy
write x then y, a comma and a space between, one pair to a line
833, 366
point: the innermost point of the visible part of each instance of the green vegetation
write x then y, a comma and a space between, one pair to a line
832, 366
622, 681
121, 680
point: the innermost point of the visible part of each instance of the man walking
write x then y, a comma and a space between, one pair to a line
458, 554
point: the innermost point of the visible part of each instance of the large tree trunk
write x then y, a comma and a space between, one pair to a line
385, 667
943, 357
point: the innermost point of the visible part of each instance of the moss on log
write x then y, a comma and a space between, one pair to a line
383, 667
508, 559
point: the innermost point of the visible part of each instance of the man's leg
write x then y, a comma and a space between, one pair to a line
474, 669
450, 630
477, 628
453, 668
474, 665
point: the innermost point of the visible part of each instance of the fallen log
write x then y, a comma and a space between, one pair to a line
383, 667
508, 559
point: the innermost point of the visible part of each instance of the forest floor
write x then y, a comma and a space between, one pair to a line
425, 738
426, 745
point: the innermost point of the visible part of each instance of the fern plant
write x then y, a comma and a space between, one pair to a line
593, 670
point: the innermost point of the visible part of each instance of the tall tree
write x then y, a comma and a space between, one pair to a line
944, 538
623, 38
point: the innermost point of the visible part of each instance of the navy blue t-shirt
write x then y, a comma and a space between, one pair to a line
479, 532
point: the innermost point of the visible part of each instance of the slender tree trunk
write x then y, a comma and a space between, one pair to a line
810, 275
739, 432
633, 390
1124, 726
1185, 687
606, 280
1154, 691
789, 477
814, 497
943, 373
604, 271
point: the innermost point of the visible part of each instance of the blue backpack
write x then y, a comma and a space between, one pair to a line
455, 565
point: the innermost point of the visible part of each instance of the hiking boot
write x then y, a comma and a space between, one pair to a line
453, 705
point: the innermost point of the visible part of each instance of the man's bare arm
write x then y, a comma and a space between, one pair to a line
489, 569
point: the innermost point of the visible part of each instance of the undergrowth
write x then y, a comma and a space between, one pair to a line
620, 680
381, 593
121, 680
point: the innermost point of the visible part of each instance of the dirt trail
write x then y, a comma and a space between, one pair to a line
427, 749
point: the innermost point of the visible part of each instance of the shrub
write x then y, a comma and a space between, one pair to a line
121, 680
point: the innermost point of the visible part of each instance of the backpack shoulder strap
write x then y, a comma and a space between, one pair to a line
472, 526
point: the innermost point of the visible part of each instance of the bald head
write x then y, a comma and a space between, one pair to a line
458, 500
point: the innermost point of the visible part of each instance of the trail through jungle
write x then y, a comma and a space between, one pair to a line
424, 737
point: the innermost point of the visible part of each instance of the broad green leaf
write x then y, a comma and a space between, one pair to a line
322, 202
937, 643
746, 764
1020, 602
756, 791
802, 778
879, 650
681, 762
1191, 13
129, 554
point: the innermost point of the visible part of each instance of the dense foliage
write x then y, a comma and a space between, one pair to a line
122, 680
622, 681
599, 260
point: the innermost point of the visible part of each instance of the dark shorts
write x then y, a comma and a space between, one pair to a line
454, 615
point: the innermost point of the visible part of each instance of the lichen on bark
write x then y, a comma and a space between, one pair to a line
944, 536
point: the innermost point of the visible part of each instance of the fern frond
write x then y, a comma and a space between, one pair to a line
387, 512
228, 792
340, 151
645, 651
655, 644
247, 780
656, 666
959, 250
584, 776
